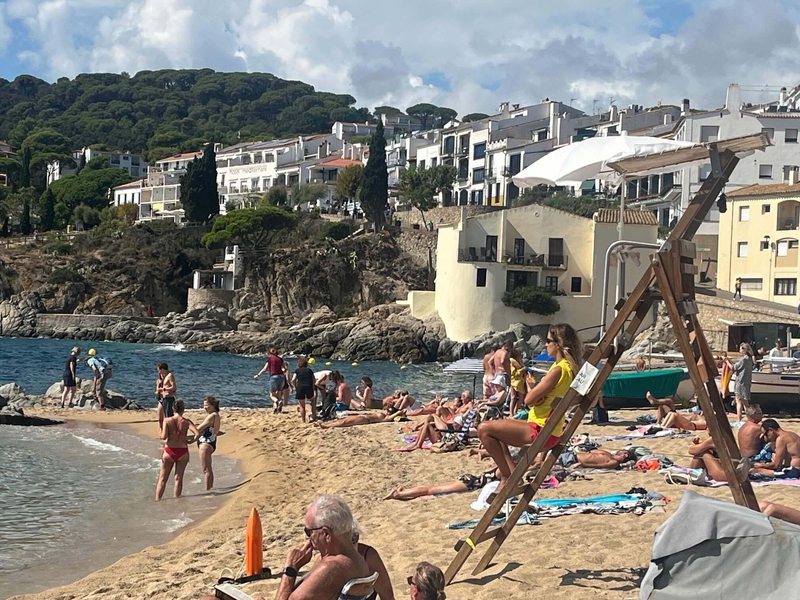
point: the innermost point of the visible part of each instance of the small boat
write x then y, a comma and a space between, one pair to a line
779, 384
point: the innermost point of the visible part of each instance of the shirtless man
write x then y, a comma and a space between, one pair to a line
749, 436
601, 459
344, 395
502, 364
785, 463
488, 372
166, 388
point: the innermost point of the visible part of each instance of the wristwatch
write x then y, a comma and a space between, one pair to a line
289, 571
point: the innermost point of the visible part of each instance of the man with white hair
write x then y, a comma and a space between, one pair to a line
329, 531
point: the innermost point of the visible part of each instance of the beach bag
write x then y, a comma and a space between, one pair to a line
328, 411
106, 364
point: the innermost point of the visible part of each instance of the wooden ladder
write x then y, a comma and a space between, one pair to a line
669, 278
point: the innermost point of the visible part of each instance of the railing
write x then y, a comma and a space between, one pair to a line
474, 254
786, 225
509, 172
463, 151
544, 261
396, 162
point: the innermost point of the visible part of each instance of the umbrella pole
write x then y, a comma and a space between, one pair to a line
621, 229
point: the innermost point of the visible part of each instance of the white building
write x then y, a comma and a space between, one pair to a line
481, 258
246, 171
134, 164
346, 131
161, 193
129, 193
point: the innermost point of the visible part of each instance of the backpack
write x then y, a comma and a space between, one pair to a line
328, 411
105, 363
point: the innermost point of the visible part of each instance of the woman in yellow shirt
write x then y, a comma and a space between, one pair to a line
565, 346
518, 387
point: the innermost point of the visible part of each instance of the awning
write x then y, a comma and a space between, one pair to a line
588, 185
468, 366
735, 323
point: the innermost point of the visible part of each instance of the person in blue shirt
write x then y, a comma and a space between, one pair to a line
101, 369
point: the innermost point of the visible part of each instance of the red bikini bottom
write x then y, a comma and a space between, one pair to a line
175, 453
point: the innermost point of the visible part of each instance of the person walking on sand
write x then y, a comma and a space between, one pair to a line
70, 377
175, 432
743, 369
275, 366
207, 440
738, 288
166, 388
564, 345
303, 382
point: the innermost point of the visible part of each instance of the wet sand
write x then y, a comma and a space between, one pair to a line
287, 464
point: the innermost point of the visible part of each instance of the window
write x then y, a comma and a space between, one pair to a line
479, 150
744, 213
478, 175
765, 209
752, 284
421, 165
575, 286
709, 133
791, 136
481, 279
463, 169
764, 245
514, 162
792, 243
765, 171
786, 287
449, 144
551, 282
704, 172
515, 279
787, 170
769, 132
477, 197
258, 157
491, 248
519, 250
783, 248
742, 250
433, 162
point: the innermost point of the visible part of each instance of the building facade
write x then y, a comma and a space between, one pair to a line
133, 164
482, 257
160, 195
758, 241
129, 193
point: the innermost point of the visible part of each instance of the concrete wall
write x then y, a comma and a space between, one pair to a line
204, 299
439, 216
61, 322
712, 309
422, 304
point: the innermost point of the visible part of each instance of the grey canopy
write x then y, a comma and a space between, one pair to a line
717, 550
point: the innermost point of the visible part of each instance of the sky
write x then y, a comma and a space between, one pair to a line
470, 55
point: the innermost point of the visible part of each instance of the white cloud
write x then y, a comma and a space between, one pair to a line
506, 50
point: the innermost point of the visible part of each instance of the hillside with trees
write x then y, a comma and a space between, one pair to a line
159, 113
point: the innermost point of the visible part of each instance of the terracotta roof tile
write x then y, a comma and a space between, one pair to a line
758, 189
632, 217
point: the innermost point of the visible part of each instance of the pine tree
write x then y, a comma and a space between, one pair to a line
374, 192
25, 177
199, 187
47, 210
25, 219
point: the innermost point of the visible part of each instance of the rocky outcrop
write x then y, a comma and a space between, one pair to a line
18, 314
659, 338
16, 399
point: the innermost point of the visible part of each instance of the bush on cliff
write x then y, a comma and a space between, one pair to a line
251, 228
532, 300
337, 230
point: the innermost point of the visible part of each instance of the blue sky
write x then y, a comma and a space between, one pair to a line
467, 54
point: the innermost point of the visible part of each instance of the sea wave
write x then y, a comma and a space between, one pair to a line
171, 525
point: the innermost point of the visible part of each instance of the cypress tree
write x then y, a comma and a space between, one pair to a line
374, 192
25, 176
199, 187
47, 210
25, 219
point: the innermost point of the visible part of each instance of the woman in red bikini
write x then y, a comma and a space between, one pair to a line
174, 432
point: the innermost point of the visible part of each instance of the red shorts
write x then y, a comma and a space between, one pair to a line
536, 429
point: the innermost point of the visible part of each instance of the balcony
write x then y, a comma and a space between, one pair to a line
463, 151
395, 162
474, 254
550, 262
509, 172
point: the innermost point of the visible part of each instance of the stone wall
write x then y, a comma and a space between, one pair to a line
65, 325
418, 244
203, 299
712, 309
445, 214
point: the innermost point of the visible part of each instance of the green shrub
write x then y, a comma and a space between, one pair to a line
532, 300
61, 275
57, 248
335, 230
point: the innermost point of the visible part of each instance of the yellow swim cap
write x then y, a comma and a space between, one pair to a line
92, 352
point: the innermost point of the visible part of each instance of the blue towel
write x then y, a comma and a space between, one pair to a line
593, 500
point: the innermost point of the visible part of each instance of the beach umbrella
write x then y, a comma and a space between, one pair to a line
588, 159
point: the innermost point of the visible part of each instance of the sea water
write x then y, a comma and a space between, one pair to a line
78, 497
36, 364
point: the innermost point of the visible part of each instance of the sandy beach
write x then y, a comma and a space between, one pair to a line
287, 464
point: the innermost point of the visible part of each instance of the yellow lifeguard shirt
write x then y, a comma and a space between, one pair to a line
538, 414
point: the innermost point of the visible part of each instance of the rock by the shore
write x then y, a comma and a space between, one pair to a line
17, 399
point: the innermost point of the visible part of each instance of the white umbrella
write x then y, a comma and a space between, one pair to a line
588, 158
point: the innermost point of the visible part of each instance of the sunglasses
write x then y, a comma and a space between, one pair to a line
309, 530
550, 341
410, 580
